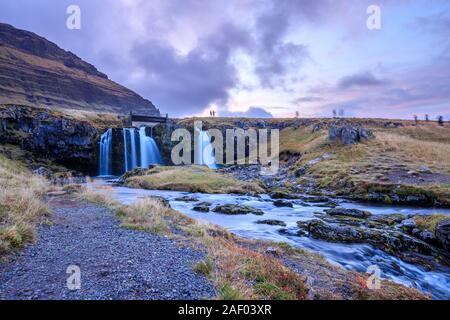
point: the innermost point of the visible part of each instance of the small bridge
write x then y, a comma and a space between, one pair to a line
135, 120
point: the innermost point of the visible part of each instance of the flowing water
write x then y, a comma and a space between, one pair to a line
105, 164
149, 150
351, 256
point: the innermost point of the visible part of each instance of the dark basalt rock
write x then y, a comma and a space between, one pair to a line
202, 207
283, 203
50, 136
443, 234
236, 209
272, 222
186, 199
354, 213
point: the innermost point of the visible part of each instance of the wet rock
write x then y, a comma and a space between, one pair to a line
315, 199
443, 234
202, 207
425, 235
283, 195
272, 222
283, 203
186, 199
236, 209
354, 213
336, 233
388, 219
408, 224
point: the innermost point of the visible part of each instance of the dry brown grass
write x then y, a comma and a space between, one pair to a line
21, 205
429, 222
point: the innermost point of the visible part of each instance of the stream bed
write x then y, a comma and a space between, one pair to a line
350, 256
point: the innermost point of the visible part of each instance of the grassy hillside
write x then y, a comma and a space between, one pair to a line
394, 159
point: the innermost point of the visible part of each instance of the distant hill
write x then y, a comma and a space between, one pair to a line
36, 72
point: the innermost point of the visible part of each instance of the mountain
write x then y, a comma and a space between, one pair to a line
36, 72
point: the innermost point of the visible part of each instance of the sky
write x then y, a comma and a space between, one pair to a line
260, 58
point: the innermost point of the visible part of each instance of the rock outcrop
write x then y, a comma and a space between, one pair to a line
348, 134
36, 72
51, 136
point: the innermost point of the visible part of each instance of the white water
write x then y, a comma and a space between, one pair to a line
204, 153
350, 256
132, 132
125, 150
130, 154
149, 150
105, 163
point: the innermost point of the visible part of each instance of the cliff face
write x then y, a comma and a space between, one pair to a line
36, 72
50, 135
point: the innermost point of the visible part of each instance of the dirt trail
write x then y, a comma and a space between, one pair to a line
115, 263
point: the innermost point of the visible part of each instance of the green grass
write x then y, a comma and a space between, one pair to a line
204, 267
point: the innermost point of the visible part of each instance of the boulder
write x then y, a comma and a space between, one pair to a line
202, 207
186, 199
283, 203
272, 222
354, 213
237, 209
349, 135
442, 234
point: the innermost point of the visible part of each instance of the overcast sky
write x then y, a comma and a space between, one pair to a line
260, 57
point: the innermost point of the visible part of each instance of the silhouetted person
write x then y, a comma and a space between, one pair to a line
416, 119
441, 120
427, 118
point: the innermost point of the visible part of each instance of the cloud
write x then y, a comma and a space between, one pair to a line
363, 79
187, 83
252, 112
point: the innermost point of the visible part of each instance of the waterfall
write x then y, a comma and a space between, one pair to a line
129, 149
105, 165
204, 150
149, 150
133, 148
125, 149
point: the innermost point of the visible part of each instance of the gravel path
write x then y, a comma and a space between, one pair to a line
115, 263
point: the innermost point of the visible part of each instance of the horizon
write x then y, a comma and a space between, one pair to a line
261, 59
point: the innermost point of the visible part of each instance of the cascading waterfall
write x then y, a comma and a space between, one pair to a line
125, 150
149, 150
105, 165
132, 133
204, 150
129, 149
134, 144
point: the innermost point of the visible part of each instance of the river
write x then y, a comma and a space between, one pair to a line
350, 256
